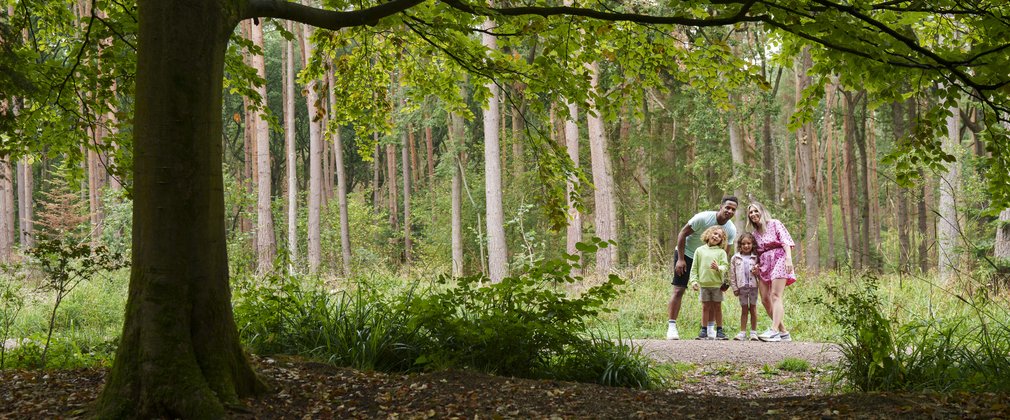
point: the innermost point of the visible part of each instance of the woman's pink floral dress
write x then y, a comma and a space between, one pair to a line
771, 255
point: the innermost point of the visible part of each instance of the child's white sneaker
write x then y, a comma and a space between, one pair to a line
754, 336
740, 336
711, 333
671, 332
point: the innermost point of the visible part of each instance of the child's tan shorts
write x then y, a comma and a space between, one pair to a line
711, 294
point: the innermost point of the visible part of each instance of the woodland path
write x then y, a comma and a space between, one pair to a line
754, 353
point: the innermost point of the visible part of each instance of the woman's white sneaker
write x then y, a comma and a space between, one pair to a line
774, 338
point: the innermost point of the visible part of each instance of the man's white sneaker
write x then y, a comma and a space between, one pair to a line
774, 338
740, 336
671, 332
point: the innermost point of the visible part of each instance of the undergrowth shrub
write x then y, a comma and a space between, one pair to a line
958, 353
526, 325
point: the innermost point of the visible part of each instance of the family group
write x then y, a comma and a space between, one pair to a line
760, 269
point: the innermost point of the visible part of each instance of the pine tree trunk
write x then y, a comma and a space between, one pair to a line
605, 212
289, 148
179, 354
456, 132
947, 224
315, 200
497, 249
266, 247
805, 139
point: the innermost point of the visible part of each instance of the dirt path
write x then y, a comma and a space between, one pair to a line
752, 353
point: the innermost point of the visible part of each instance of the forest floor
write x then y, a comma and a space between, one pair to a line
724, 379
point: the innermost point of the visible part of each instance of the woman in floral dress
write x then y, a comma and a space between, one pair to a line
775, 267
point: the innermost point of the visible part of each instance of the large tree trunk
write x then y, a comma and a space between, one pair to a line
456, 131
947, 225
737, 154
850, 180
266, 247
902, 220
341, 192
315, 201
497, 249
1001, 250
179, 355
605, 212
289, 148
805, 139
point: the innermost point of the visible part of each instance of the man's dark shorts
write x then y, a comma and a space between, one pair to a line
681, 280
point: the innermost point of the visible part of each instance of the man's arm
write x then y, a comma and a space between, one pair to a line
685, 231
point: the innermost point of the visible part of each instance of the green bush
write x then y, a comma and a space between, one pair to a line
524, 326
959, 353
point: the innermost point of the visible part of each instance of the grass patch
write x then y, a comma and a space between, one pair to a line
792, 364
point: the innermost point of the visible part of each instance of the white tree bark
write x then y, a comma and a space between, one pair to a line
948, 225
26, 187
456, 132
6, 210
338, 162
497, 250
266, 248
289, 149
605, 213
315, 161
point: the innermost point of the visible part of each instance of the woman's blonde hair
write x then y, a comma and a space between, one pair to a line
708, 234
765, 216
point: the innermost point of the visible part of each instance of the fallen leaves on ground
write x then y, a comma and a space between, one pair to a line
312, 390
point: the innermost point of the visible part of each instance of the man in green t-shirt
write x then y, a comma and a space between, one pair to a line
689, 240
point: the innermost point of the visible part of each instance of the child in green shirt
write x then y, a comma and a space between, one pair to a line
707, 273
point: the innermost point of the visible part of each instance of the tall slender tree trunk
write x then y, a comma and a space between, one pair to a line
872, 207
850, 180
266, 247
829, 177
1001, 250
315, 159
6, 209
737, 154
430, 155
393, 202
179, 354
902, 217
456, 132
341, 188
605, 213
26, 219
574, 230
406, 168
497, 249
376, 170
805, 139
948, 224
518, 130
289, 149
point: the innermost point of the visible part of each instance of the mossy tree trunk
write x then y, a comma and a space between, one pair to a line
179, 355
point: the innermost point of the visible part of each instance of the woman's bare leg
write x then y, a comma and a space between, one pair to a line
778, 309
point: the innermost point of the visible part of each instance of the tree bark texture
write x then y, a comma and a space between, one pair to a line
315, 201
26, 208
574, 230
406, 166
289, 148
341, 188
266, 247
805, 140
393, 204
457, 133
6, 209
902, 220
947, 224
497, 249
179, 355
829, 195
1002, 248
605, 212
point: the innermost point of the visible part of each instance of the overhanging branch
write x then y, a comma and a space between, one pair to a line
321, 18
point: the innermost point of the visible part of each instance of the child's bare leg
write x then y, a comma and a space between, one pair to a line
704, 314
717, 312
753, 317
744, 310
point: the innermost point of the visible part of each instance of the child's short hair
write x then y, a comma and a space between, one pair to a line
753, 241
708, 234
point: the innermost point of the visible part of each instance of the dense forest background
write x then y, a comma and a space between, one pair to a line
675, 119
